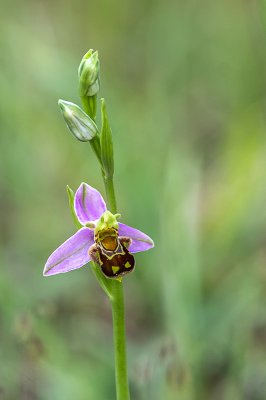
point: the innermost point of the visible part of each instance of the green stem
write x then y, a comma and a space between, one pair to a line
96, 146
89, 103
122, 389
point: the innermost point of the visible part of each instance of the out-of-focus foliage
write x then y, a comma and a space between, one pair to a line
185, 83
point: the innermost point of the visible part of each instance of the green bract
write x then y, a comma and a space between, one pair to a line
78, 122
106, 144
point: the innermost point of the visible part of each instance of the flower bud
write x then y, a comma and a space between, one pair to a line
78, 122
88, 72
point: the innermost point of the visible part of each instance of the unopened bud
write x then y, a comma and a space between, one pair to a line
78, 122
88, 72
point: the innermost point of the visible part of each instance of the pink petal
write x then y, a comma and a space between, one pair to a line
140, 241
72, 254
89, 204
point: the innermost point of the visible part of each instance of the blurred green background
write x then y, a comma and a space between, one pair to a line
184, 83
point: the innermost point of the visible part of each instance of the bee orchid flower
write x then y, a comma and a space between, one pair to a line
101, 239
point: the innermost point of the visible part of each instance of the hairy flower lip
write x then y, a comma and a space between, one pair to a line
89, 206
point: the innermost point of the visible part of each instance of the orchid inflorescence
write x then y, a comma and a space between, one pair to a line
100, 239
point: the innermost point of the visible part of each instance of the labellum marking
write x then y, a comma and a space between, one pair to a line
113, 256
